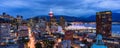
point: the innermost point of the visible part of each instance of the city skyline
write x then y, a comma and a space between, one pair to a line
60, 7
59, 24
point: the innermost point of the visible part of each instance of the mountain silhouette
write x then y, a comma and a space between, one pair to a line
92, 18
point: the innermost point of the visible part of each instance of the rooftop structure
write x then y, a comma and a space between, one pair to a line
99, 43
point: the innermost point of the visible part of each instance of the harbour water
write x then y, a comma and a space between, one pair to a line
115, 28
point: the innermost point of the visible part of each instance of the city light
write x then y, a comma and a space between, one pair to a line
59, 24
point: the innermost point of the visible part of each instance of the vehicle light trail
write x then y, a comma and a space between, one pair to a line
31, 43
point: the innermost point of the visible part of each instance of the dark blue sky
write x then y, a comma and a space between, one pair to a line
60, 7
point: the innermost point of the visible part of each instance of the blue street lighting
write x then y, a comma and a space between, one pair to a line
99, 43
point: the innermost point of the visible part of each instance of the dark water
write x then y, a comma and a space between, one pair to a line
115, 27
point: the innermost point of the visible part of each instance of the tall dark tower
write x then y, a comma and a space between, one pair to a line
18, 20
104, 23
62, 21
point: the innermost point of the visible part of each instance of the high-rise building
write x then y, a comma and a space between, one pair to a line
51, 25
4, 32
23, 30
104, 23
52, 18
41, 25
31, 22
62, 21
68, 38
69, 35
19, 19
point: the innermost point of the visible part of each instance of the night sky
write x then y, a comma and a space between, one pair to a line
60, 7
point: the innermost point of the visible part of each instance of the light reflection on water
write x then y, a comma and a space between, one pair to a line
115, 27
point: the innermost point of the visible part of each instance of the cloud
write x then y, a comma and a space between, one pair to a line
14, 3
113, 5
61, 7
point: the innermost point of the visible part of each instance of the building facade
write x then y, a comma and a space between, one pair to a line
62, 22
23, 30
104, 23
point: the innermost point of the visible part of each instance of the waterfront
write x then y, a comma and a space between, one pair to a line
115, 28
38, 32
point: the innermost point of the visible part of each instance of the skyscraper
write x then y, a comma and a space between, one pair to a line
5, 34
62, 21
19, 19
31, 21
104, 23
52, 18
51, 22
